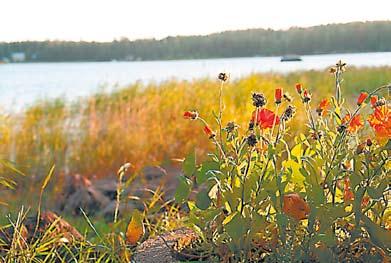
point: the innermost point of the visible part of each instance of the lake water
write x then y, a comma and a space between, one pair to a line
22, 84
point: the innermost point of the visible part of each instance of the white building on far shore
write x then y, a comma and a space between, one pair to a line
18, 57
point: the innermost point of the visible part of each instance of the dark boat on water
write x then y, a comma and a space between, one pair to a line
289, 58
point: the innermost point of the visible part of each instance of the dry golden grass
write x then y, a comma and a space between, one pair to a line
144, 124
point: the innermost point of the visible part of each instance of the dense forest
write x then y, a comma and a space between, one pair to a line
332, 38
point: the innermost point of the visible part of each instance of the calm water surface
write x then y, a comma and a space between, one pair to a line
23, 84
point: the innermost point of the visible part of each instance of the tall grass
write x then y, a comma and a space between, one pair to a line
143, 124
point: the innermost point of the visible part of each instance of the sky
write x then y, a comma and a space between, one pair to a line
102, 20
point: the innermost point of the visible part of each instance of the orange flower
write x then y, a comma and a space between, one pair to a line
323, 106
374, 99
208, 131
347, 193
295, 206
380, 121
265, 118
278, 95
190, 115
299, 88
355, 124
362, 98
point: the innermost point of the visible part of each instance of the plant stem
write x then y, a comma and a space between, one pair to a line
274, 122
244, 179
221, 112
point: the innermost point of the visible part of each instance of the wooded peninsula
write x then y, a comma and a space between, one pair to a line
332, 38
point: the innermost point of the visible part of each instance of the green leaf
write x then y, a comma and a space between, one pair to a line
237, 227
377, 192
271, 151
232, 198
328, 213
297, 176
206, 171
281, 220
355, 179
183, 189
324, 254
189, 164
258, 223
378, 235
203, 200
297, 152
328, 238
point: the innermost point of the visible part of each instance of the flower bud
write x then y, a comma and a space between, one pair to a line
278, 95
317, 135
231, 126
192, 115
362, 98
223, 76
259, 100
360, 148
208, 131
307, 96
379, 103
252, 140
374, 99
341, 128
299, 88
288, 113
251, 126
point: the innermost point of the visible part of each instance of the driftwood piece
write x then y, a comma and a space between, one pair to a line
160, 249
97, 196
28, 232
78, 193
60, 228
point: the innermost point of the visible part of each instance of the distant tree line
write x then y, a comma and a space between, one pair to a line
333, 38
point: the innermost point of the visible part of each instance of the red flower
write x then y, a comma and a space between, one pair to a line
190, 115
374, 99
299, 88
362, 98
265, 118
278, 95
355, 124
380, 121
208, 131
322, 108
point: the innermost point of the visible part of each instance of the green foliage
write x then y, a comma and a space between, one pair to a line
183, 189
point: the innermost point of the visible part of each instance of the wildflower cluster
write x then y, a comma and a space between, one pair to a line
262, 191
